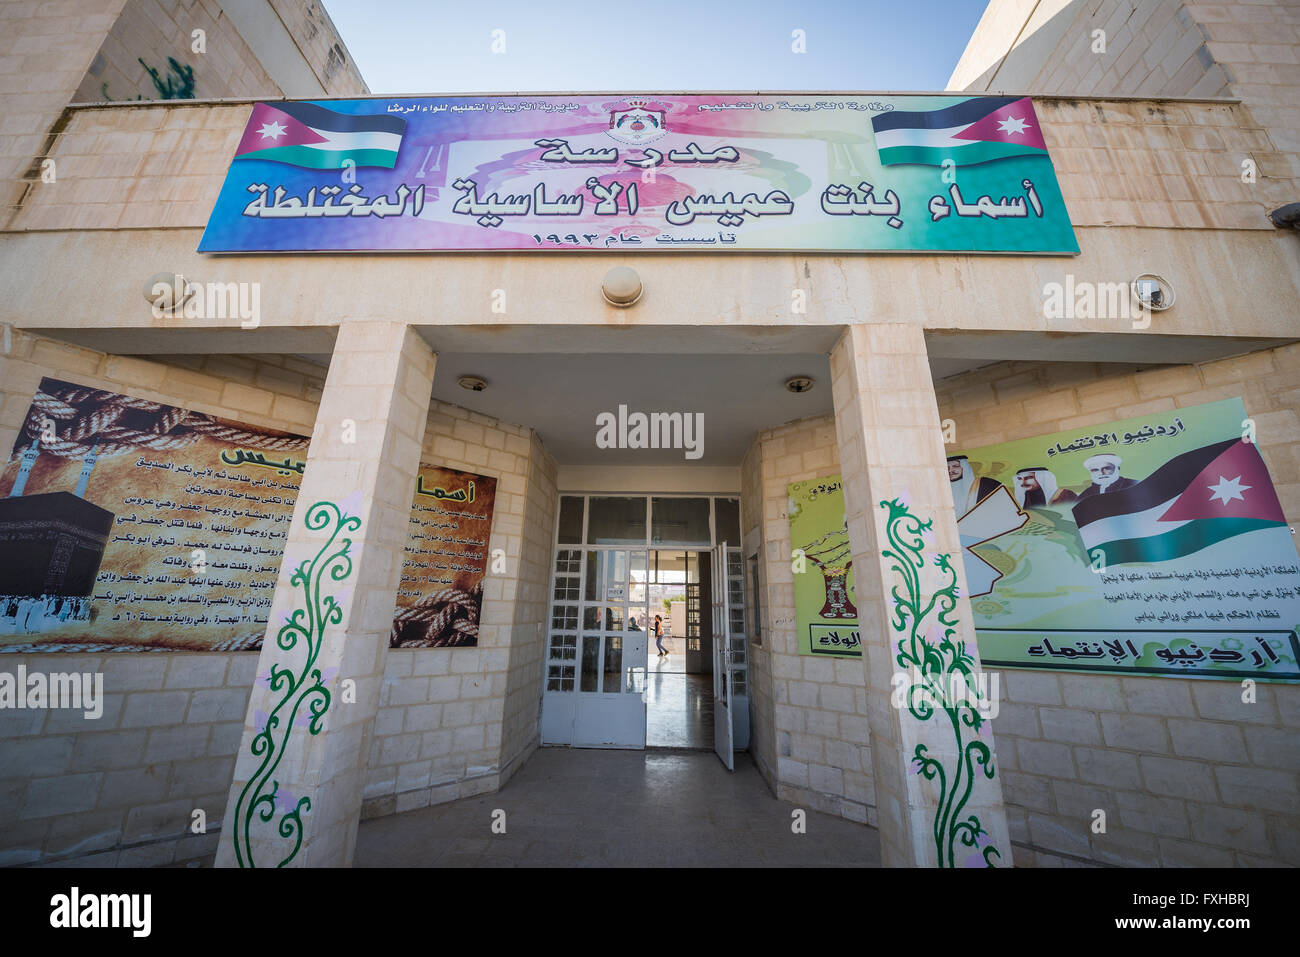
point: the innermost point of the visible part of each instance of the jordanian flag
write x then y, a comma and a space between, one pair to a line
304, 134
974, 131
1191, 502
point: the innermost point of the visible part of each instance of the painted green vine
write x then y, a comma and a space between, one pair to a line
940, 662
303, 688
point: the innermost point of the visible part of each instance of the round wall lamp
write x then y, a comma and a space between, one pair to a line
166, 291
800, 384
472, 382
621, 286
1154, 292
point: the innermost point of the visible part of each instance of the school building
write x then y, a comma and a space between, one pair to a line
630, 429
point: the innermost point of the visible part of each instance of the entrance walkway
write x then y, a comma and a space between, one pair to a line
588, 808
679, 710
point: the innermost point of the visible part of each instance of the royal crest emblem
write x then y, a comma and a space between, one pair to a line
639, 123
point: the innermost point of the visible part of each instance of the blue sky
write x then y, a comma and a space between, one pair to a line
425, 46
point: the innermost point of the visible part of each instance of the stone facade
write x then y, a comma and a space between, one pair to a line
810, 714
1168, 48
54, 54
153, 31
1150, 140
457, 722
122, 789
1186, 772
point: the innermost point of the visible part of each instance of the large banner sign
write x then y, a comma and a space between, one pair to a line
825, 615
1152, 546
128, 525
672, 172
441, 594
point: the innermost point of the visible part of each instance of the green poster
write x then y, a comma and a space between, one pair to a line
826, 617
1152, 546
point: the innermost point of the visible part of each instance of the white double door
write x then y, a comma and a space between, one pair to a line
609, 700
609, 707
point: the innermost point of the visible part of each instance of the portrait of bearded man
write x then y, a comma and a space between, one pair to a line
1104, 469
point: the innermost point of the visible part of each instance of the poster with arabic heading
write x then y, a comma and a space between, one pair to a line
1151, 546
440, 596
825, 616
130, 525
674, 172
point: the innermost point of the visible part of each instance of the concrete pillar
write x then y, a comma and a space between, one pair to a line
296, 795
938, 794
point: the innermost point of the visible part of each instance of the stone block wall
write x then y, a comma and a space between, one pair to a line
1152, 48
153, 31
1198, 48
134, 167
1258, 45
1187, 773
1126, 163
440, 731
45, 49
56, 53
121, 789
309, 23
521, 729
819, 751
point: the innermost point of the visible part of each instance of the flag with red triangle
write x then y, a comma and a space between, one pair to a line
1194, 500
977, 130
305, 134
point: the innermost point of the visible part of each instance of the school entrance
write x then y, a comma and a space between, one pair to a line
648, 635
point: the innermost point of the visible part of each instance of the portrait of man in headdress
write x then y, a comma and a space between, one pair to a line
1104, 469
1036, 487
967, 490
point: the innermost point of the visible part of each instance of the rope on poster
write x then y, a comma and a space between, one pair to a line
90, 417
451, 617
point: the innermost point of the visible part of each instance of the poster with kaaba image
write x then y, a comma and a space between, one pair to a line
440, 597
131, 525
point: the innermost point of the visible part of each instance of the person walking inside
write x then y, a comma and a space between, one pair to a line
659, 636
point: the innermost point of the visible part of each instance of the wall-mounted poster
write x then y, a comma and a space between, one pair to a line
129, 525
1152, 546
825, 615
441, 593
671, 172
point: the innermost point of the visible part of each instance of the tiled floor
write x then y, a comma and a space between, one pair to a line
577, 808
675, 660
679, 710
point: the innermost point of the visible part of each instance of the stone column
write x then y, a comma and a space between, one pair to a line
938, 793
296, 794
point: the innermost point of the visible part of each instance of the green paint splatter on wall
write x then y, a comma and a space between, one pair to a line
178, 85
